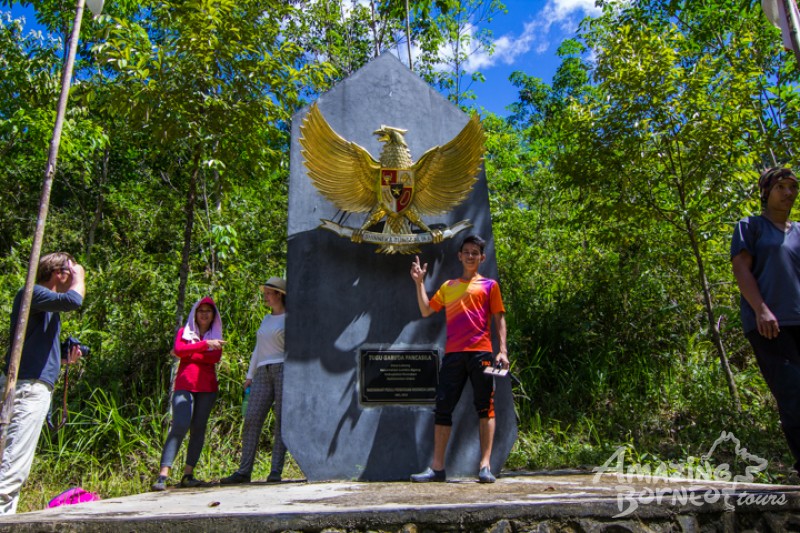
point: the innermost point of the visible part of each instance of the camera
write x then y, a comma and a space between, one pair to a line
67, 345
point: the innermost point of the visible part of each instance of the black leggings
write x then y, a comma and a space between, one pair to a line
190, 411
779, 361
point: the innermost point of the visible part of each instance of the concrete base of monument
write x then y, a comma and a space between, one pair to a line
540, 501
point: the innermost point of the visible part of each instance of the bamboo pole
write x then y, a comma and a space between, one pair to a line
36, 249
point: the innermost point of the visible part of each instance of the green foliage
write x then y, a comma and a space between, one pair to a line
447, 43
623, 179
612, 190
442, 36
29, 85
119, 202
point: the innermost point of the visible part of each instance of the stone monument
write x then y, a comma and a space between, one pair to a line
361, 362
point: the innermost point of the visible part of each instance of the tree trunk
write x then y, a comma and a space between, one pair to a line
374, 26
712, 323
408, 37
191, 199
98, 209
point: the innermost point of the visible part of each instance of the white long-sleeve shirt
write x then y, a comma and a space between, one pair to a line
269, 348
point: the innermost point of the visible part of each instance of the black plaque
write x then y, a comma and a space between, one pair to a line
398, 376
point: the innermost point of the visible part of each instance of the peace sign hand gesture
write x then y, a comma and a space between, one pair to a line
418, 271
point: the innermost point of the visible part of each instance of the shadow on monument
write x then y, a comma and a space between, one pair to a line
343, 296
383, 442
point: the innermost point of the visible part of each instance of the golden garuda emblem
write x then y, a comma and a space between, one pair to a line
393, 188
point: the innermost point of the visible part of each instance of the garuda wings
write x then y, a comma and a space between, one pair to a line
392, 187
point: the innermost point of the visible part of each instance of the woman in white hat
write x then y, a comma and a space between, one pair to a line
265, 379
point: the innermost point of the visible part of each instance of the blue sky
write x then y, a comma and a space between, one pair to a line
526, 39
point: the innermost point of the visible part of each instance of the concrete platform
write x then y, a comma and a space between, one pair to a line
544, 501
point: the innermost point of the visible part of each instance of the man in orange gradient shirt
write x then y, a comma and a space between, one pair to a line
471, 303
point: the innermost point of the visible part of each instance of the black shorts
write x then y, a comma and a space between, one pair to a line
456, 368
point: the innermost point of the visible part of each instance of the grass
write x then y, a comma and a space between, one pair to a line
132, 467
673, 417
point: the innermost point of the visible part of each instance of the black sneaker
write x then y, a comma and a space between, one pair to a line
160, 484
485, 475
429, 475
235, 479
188, 481
273, 477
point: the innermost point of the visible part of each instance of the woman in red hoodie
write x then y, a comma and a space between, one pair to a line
198, 345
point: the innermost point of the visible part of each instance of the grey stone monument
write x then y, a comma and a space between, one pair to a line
344, 297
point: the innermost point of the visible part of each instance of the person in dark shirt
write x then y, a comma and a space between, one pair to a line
765, 256
60, 286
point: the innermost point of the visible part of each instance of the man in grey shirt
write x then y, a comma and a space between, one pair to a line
60, 286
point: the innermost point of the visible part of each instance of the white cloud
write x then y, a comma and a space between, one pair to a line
565, 8
537, 34
555, 21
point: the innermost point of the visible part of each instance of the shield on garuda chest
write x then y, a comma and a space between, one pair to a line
396, 189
